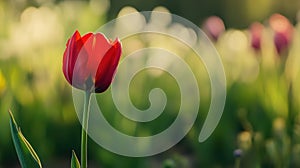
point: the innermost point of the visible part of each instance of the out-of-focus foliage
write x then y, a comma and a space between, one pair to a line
263, 94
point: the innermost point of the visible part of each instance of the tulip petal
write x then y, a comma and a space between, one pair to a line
99, 47
75, 59
68, 56
107, 67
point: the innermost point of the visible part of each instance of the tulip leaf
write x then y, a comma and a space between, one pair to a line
26, 154
74, 161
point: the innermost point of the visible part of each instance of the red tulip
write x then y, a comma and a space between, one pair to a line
90, 61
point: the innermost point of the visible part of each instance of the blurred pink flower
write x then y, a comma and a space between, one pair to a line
283, 31
256, 30
214, 27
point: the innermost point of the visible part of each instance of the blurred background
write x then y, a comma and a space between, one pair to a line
258, 41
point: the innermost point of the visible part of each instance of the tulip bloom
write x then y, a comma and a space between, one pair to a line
90, 61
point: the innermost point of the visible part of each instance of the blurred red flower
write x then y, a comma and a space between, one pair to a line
90, 61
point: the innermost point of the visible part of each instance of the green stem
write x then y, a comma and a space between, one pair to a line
237, 163
85, 118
